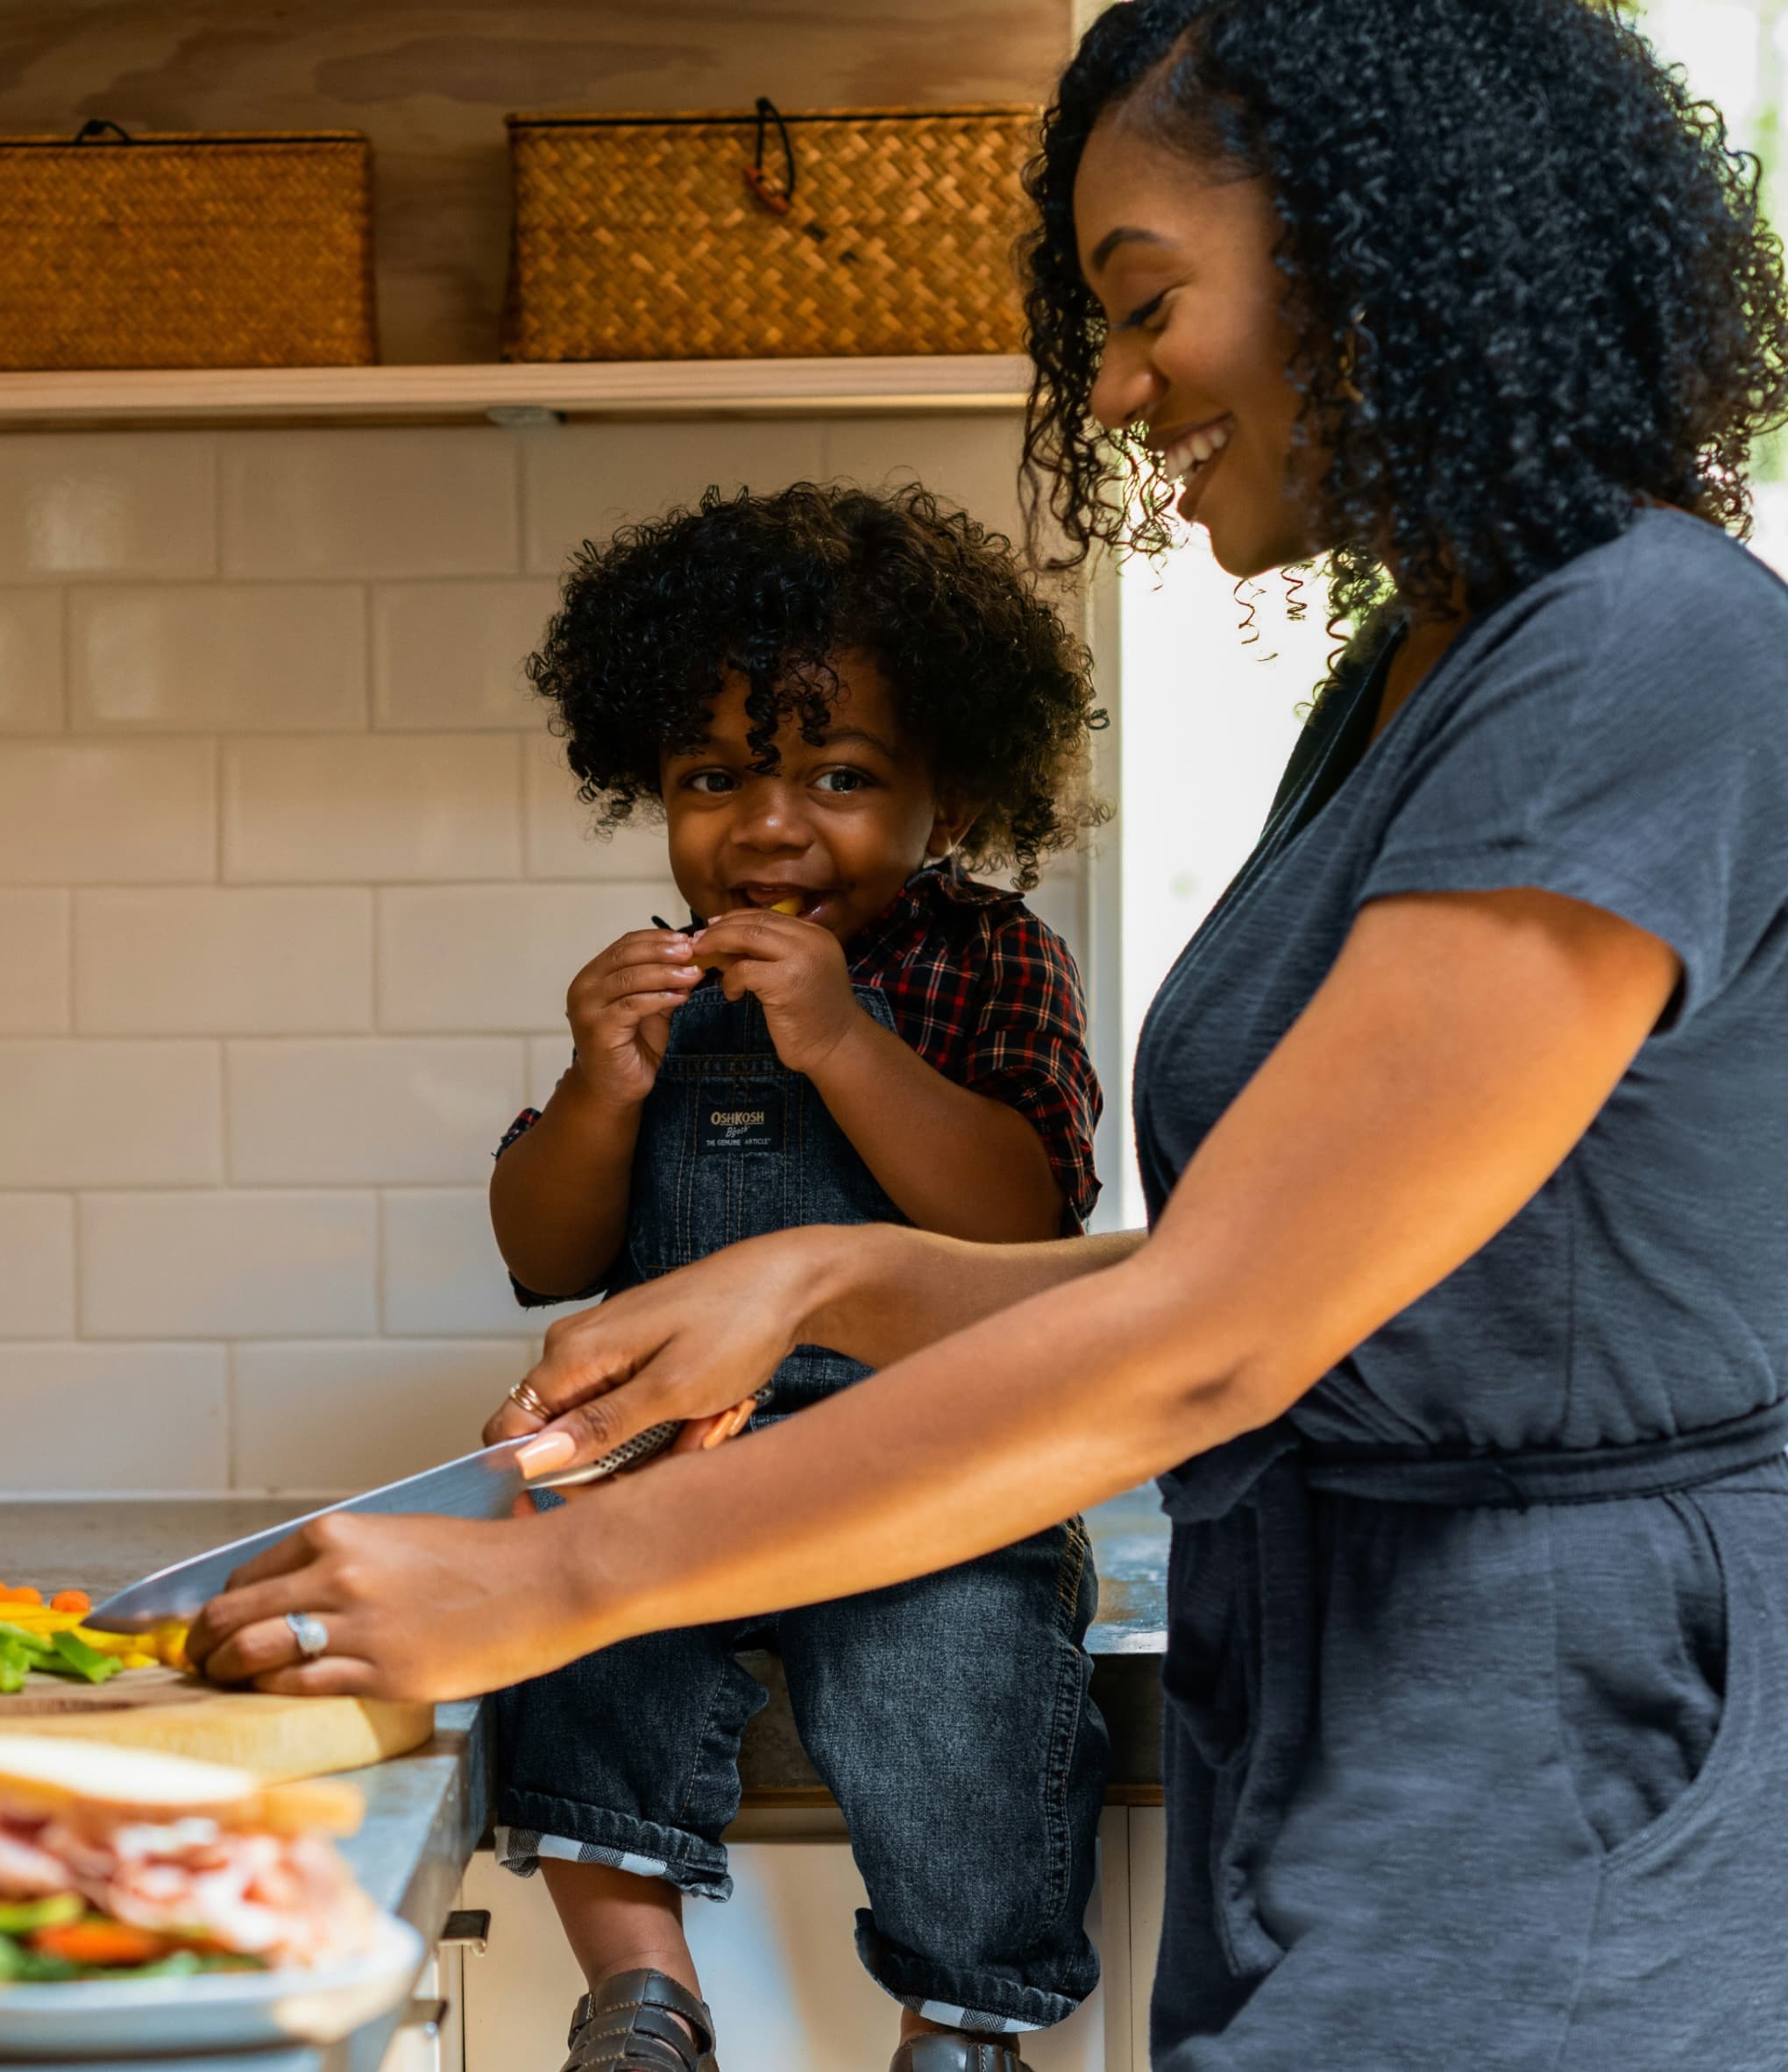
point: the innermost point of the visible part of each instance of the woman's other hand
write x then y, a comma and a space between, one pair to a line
427, 1609
694, 1346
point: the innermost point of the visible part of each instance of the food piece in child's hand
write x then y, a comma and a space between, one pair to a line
786, 907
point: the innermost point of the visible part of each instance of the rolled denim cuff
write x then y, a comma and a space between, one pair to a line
984, 2003
531, 1825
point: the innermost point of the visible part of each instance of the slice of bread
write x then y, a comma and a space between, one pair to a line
90, 1780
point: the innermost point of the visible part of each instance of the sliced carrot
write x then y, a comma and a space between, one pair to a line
71, 1601
21, 1593
102, 1942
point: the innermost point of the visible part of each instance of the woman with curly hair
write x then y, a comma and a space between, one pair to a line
1459, 1339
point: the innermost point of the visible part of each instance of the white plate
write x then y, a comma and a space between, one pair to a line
215, 2010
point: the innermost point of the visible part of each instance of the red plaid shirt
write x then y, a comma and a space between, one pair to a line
990, 997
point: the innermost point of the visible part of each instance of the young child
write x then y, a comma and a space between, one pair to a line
838, 698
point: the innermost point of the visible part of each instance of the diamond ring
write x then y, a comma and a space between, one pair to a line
311, 1634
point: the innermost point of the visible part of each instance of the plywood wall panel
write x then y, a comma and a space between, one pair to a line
430, 84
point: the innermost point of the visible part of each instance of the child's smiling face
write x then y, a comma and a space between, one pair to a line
841, 826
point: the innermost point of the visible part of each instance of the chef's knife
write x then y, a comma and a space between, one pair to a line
482, 1485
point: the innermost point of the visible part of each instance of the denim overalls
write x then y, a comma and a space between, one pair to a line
950, 1716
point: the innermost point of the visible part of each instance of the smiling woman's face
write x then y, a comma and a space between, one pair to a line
1197, 346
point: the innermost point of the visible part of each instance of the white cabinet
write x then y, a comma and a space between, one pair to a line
780, 1968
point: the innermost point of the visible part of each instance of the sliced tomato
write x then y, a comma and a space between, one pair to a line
98, 1941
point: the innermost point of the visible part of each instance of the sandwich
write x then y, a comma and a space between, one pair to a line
119, 1863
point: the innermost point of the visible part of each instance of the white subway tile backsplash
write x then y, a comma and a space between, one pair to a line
349, 1414
450, 654
87, 1113
225, 1264
582, 481
442, 1271
100, 812
970, 461
495, 957
113, 1419
114, 504
31, 662
367, 502
322, 809
240, 658
559, 827
37, 1268
223, 961
263, 1110
33, 962
369, 1111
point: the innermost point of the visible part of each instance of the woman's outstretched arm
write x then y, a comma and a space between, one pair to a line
876, 1292
1458, 1049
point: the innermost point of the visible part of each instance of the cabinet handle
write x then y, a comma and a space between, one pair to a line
426, 2015
467, 1927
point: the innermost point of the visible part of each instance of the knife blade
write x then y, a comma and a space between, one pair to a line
481, 1485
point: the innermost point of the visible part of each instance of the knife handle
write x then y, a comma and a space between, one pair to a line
630, 1453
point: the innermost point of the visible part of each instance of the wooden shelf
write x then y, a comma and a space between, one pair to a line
938, 383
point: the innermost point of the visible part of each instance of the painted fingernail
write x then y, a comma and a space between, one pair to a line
545, 1451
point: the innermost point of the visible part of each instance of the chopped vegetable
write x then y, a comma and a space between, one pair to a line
73, 1657
97, 1941
22, 1916
786, 907
49, 1636
22, 1965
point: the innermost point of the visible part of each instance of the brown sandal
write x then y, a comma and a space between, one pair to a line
630, 2025
958, 2054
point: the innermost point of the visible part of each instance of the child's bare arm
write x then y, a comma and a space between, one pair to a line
559, 1194
953, 1160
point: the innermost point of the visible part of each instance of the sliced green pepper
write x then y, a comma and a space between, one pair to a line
73, 1657
23, 1915
18, 1636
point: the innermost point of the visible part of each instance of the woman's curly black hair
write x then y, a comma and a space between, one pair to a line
1548, 259
987, 682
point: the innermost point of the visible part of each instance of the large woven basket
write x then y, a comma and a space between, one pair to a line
178, 250
724, 236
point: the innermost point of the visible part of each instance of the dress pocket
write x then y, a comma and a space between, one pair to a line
1647, 1664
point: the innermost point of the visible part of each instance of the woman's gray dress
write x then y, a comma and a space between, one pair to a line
1477, 1679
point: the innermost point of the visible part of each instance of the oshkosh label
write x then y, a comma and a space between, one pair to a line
739, 1120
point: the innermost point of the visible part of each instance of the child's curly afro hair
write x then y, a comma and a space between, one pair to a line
988, 682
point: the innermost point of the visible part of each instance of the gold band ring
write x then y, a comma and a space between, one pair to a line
525, 1398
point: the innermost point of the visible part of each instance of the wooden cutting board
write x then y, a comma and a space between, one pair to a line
275, 1737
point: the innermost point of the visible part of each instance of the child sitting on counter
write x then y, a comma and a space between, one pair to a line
840, 699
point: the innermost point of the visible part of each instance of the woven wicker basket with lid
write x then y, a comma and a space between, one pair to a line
722, 236
177, 249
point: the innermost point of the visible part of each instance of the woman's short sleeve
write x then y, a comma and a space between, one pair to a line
1619, 735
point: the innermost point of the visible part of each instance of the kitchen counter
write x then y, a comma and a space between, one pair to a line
427, 1812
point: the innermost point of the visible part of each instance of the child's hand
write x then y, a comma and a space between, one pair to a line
619, 1007
797, 970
